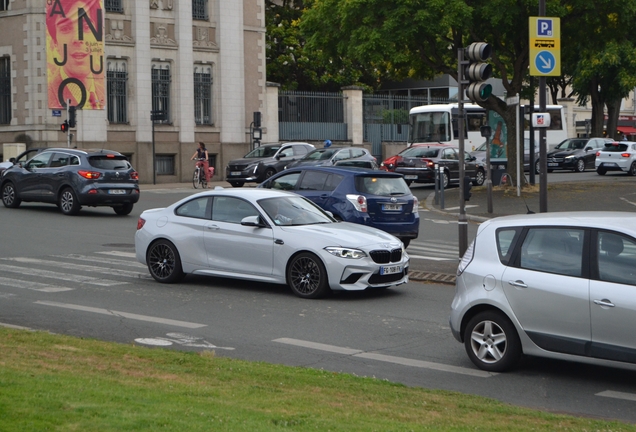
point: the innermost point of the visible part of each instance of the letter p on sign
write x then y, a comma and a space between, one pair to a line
544, 27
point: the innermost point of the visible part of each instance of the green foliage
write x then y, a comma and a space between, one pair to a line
396, 116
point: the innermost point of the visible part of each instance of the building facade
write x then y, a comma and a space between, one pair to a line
202, 62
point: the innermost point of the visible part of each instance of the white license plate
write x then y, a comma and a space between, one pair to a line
553, 164
235, 173
410, 177
609, 164
386, 270
117, 191
392, 207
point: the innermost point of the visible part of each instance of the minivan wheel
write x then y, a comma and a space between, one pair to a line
164, 262
124, 209
492, 342
307, 276
9, 196
68, 202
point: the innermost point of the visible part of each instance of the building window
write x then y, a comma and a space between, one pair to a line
203, 95
164, 164
113, 6
116, 78
4, 5
200, 9
5, 90
161, 89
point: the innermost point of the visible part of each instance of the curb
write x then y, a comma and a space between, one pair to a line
423, 276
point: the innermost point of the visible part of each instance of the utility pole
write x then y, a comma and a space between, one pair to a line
543, 146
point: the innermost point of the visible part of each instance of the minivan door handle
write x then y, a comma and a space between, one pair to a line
518, 284
604, 302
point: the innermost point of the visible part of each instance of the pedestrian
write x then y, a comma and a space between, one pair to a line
203, 160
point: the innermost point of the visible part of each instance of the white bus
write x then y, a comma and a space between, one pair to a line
438, 124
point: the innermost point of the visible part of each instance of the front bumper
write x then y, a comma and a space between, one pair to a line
253, 174
358, 275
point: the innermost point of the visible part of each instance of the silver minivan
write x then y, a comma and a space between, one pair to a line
558, 285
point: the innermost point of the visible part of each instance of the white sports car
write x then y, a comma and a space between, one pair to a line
270, 236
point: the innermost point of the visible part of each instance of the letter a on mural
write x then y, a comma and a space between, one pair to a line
75, 53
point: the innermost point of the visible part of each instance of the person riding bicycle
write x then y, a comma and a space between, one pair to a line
203, 160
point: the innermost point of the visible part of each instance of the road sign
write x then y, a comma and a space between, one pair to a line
545, 46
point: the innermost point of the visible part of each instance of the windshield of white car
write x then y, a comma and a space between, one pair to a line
293, 211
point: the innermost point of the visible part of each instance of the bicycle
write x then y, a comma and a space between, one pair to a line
198, 177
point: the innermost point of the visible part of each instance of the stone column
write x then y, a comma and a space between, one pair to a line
183, 78
141, 79
270, 123
354, 114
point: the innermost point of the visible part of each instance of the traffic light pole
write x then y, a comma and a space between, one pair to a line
543, 152
462, 220
68, 133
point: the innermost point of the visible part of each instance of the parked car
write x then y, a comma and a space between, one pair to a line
264, 161
557, 285
480, 154
575, 154
617, 156
269, 236
335, 156
73, 178
417, 164
21, 158
374, 198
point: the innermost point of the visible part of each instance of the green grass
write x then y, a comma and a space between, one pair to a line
59, 383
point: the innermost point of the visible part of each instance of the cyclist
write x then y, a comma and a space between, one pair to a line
201, 155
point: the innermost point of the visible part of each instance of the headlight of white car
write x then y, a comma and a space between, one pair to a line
346, 252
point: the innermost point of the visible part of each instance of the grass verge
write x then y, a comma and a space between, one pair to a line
60, 383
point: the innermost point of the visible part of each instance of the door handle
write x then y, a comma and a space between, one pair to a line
518, 284
212, 227
604, 302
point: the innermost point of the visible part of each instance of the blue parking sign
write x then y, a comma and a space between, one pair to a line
544, 27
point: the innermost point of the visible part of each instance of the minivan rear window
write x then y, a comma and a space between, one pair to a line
109, 163
382, 186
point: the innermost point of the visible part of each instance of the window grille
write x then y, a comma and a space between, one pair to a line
161, 89
113, 6
199, 9
5, 90
164, 164
116, 86
203, 95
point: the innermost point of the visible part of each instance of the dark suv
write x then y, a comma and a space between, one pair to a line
575, 154
72, 178
368, 197
264, 161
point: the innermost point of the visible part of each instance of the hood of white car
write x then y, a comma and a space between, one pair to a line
344, 234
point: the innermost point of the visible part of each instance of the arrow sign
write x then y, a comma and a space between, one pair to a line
545, 62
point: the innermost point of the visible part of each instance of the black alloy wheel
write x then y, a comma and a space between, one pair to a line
492, 342
307, 277
68, 202
164, 262
9, 196
480, 177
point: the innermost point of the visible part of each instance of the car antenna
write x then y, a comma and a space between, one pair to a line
529, 211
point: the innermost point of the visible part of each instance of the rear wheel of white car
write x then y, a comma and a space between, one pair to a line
601, 171
307, 277
492, 342
164, 262
632, 169
580, 165
9, 196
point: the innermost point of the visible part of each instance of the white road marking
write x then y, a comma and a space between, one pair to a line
119, 253
16, 283
103, 260
457, 208
627, 201
386, 358
60, 276
123, 314
80, 267
618, 395
153, 341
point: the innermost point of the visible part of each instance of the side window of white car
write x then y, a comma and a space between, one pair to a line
506, 239
553, 250
616, 258
230, 209
195, 208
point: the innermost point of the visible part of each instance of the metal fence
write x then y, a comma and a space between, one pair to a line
311, 116
386, 118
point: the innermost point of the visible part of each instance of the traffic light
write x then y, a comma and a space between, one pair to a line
71, 117
64, 126
467, 187
478, 72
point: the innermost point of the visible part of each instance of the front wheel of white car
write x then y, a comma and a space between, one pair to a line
307, 276
492, 342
